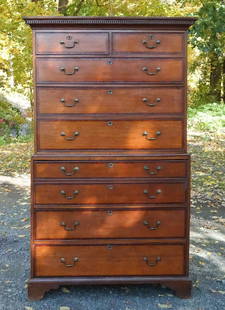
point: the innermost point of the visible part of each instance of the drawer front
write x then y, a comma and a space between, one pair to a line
71, 43
109, 224
116, 134
106, 169
97, 260
110, 193
147, 42
166, 100
106, 70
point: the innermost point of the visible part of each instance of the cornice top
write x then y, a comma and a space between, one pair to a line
111, 20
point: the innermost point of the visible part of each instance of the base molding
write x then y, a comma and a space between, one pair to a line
37, 287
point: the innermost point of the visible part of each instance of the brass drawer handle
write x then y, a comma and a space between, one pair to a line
74, 261
73, 137
69, 43
63, 69
74, 194
150, 42
145, 69
74, 170
152, 172
157, 133
67, 228
69, 105
158, 191
152, 227
145, 100
152, 263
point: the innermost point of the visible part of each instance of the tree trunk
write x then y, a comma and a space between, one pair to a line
62, 5
215, 77
223, 73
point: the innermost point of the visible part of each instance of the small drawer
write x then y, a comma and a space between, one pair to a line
71, 43
109, 224
108, 260
111, 134
75, 100
110, 193
71, 70
153, 43
113, 169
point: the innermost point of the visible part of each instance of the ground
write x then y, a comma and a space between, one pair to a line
207, 249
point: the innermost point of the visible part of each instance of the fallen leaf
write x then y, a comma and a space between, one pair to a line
28, 308
202, 263
64, 308
65, 290
165, 306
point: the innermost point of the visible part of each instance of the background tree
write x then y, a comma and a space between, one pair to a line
207, 37
16, 43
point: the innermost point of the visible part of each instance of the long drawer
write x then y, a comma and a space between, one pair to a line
81, 100
112, 193
108, 260
116, 134
75, 224
110, 169
109, 69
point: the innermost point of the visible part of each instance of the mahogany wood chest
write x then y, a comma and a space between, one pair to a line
110, 173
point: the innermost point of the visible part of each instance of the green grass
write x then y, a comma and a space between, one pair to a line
209, 118
6, 140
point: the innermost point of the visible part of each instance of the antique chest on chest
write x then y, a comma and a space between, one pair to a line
110, 173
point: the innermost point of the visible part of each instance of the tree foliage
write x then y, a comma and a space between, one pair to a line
207, 37
16, 42
119, 8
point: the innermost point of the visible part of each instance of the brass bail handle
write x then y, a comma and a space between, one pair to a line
146, 70
69, 105
70, 228
71, 138
68, 42
151, 104
63, 69
152, 227
150, 42
146, 133
74, 261
74, 194
158, 191
152, 263
152, 171
69, 173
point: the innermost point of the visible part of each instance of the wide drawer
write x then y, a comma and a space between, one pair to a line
116, 134
152, 43
112, 193
106, 70
103, 260
109, 224
71, 43
110, 169
114, 100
